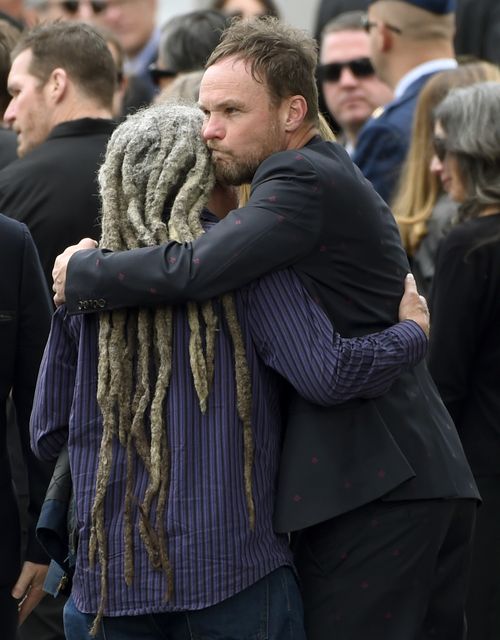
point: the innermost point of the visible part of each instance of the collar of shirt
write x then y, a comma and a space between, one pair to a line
138, 65
433, 66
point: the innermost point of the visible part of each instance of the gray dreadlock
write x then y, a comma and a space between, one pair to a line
155, 158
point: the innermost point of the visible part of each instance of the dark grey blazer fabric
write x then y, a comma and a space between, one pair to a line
25, 311
313, 209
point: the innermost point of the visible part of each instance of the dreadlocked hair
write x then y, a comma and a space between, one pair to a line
155, 160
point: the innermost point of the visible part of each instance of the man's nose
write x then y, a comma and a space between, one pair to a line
9, 115
347, 77
212, 129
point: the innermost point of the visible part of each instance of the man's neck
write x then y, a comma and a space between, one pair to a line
302, 136
223, 200
77, 112
403, 63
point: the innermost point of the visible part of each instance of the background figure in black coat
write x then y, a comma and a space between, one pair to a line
391, 469
478, 29
63, 128
8, 37
62, 82
25, 311
464, 355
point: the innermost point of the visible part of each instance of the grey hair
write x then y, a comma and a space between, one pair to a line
469, 117
156, 178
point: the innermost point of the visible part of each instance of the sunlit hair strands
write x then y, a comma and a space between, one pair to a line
155, 181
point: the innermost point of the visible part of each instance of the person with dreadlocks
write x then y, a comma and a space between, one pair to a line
173, 418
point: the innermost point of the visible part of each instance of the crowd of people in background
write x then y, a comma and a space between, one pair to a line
266, 433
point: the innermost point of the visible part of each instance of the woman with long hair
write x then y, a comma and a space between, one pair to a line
464, 355
422, 209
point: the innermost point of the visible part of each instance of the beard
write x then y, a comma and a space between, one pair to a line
235, 170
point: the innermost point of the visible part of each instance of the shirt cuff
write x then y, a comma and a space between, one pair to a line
414, 336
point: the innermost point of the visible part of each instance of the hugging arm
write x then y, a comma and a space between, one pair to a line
295, 338
280, 224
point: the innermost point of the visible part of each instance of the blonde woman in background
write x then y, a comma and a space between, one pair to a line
422, 209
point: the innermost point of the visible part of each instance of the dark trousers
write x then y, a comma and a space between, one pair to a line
388, 571
483, 599
8, 614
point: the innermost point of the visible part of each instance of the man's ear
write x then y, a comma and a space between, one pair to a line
57, 84
385, 38
296, 113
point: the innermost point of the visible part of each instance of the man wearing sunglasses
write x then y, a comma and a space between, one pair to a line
351, 90
410, 40
50, 10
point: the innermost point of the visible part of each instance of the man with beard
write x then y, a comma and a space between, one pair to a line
378, 493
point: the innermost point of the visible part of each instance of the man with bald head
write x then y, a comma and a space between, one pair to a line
410, 40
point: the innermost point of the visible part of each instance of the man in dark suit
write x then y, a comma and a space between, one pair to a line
24, 325
61, 82
379, 492
410, 40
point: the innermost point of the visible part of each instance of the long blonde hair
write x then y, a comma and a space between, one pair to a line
418, 188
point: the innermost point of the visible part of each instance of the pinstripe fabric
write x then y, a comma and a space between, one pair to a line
213, 552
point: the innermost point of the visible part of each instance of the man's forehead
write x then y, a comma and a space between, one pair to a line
341, 45
229, 78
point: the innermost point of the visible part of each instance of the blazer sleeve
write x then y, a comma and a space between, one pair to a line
35, 309
280, 224
379, 154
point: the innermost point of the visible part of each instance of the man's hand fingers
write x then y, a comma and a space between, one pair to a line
410, 284
29, 588
60, 266
413, 306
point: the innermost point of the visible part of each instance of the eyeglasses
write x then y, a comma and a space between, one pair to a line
72, 6
360, 68
157, 74
440, 147
368, 25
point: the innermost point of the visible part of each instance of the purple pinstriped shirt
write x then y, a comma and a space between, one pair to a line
213, 552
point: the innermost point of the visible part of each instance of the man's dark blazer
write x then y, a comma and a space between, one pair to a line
478, 29
384, 140
25, 311
8, 147
53, 189
311, 208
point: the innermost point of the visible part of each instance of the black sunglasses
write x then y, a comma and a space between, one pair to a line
72, 6
440, 147
360, 68
368, 25
157, 74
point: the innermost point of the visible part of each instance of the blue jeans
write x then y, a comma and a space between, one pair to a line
270, 609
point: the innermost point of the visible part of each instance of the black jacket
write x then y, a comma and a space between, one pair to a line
25, 311
53, 189
313, 209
